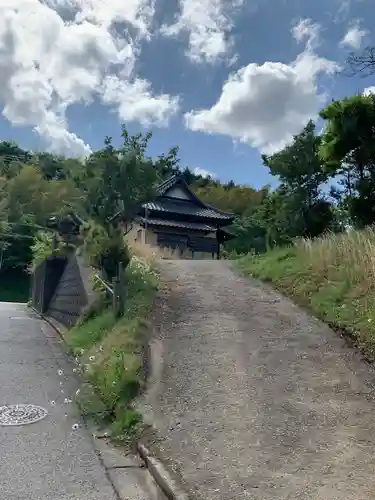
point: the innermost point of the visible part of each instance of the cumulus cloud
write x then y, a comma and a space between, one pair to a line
208, 25
354, 36
369, 91
203, 172
54, 53
264, 105
136, 102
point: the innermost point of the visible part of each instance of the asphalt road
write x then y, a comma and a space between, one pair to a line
254, 399
50, 459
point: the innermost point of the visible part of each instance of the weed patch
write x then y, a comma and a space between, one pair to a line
110, 355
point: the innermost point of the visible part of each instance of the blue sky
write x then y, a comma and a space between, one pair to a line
224, 80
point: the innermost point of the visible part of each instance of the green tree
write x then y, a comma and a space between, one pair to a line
113, 181
117, 179
348, 150
298, 207
27, 201
29, 193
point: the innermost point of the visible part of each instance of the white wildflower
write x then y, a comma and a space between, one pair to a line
92, 358
53, 403
60, 373
75, 427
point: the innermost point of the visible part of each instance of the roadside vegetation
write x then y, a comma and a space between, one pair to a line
110, 353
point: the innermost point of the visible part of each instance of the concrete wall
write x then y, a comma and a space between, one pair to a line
73, 294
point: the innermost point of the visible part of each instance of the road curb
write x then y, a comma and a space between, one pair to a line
162, 477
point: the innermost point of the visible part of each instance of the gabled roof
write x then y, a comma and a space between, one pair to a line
186, 208
163, 188
206, 209
192, 206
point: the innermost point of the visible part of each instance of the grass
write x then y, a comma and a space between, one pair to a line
333, 276
110, 354
14, 286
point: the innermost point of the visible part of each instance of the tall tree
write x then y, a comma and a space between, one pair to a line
117, 179
298, 207
348, 150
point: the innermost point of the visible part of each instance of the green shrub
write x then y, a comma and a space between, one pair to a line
105, 248
44, 246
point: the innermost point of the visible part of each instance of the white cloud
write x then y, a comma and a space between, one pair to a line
54, 53
203, 172
208, 24
354, 36
305, 31
369, 91
264, 105
136, 102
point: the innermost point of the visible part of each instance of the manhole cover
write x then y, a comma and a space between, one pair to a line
21, 414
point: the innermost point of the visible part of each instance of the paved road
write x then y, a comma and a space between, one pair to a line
48, 460
252, 398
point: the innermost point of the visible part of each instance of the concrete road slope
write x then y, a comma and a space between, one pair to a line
252, 398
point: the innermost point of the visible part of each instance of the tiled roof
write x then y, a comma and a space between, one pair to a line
182, 224
164, 186
187, 208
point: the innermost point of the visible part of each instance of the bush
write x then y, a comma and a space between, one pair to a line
45, 246
105, 249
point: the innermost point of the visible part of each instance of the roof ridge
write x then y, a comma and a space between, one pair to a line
167, 184
224, 212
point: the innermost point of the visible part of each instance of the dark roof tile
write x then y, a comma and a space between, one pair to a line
187, 208
181, 224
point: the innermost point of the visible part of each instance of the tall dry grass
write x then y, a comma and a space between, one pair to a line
350, 255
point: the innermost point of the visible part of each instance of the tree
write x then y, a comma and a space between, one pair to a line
298, 207
118, 180
29, 193
348, 150
242, 200
27, 201
363, 64
115, 180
